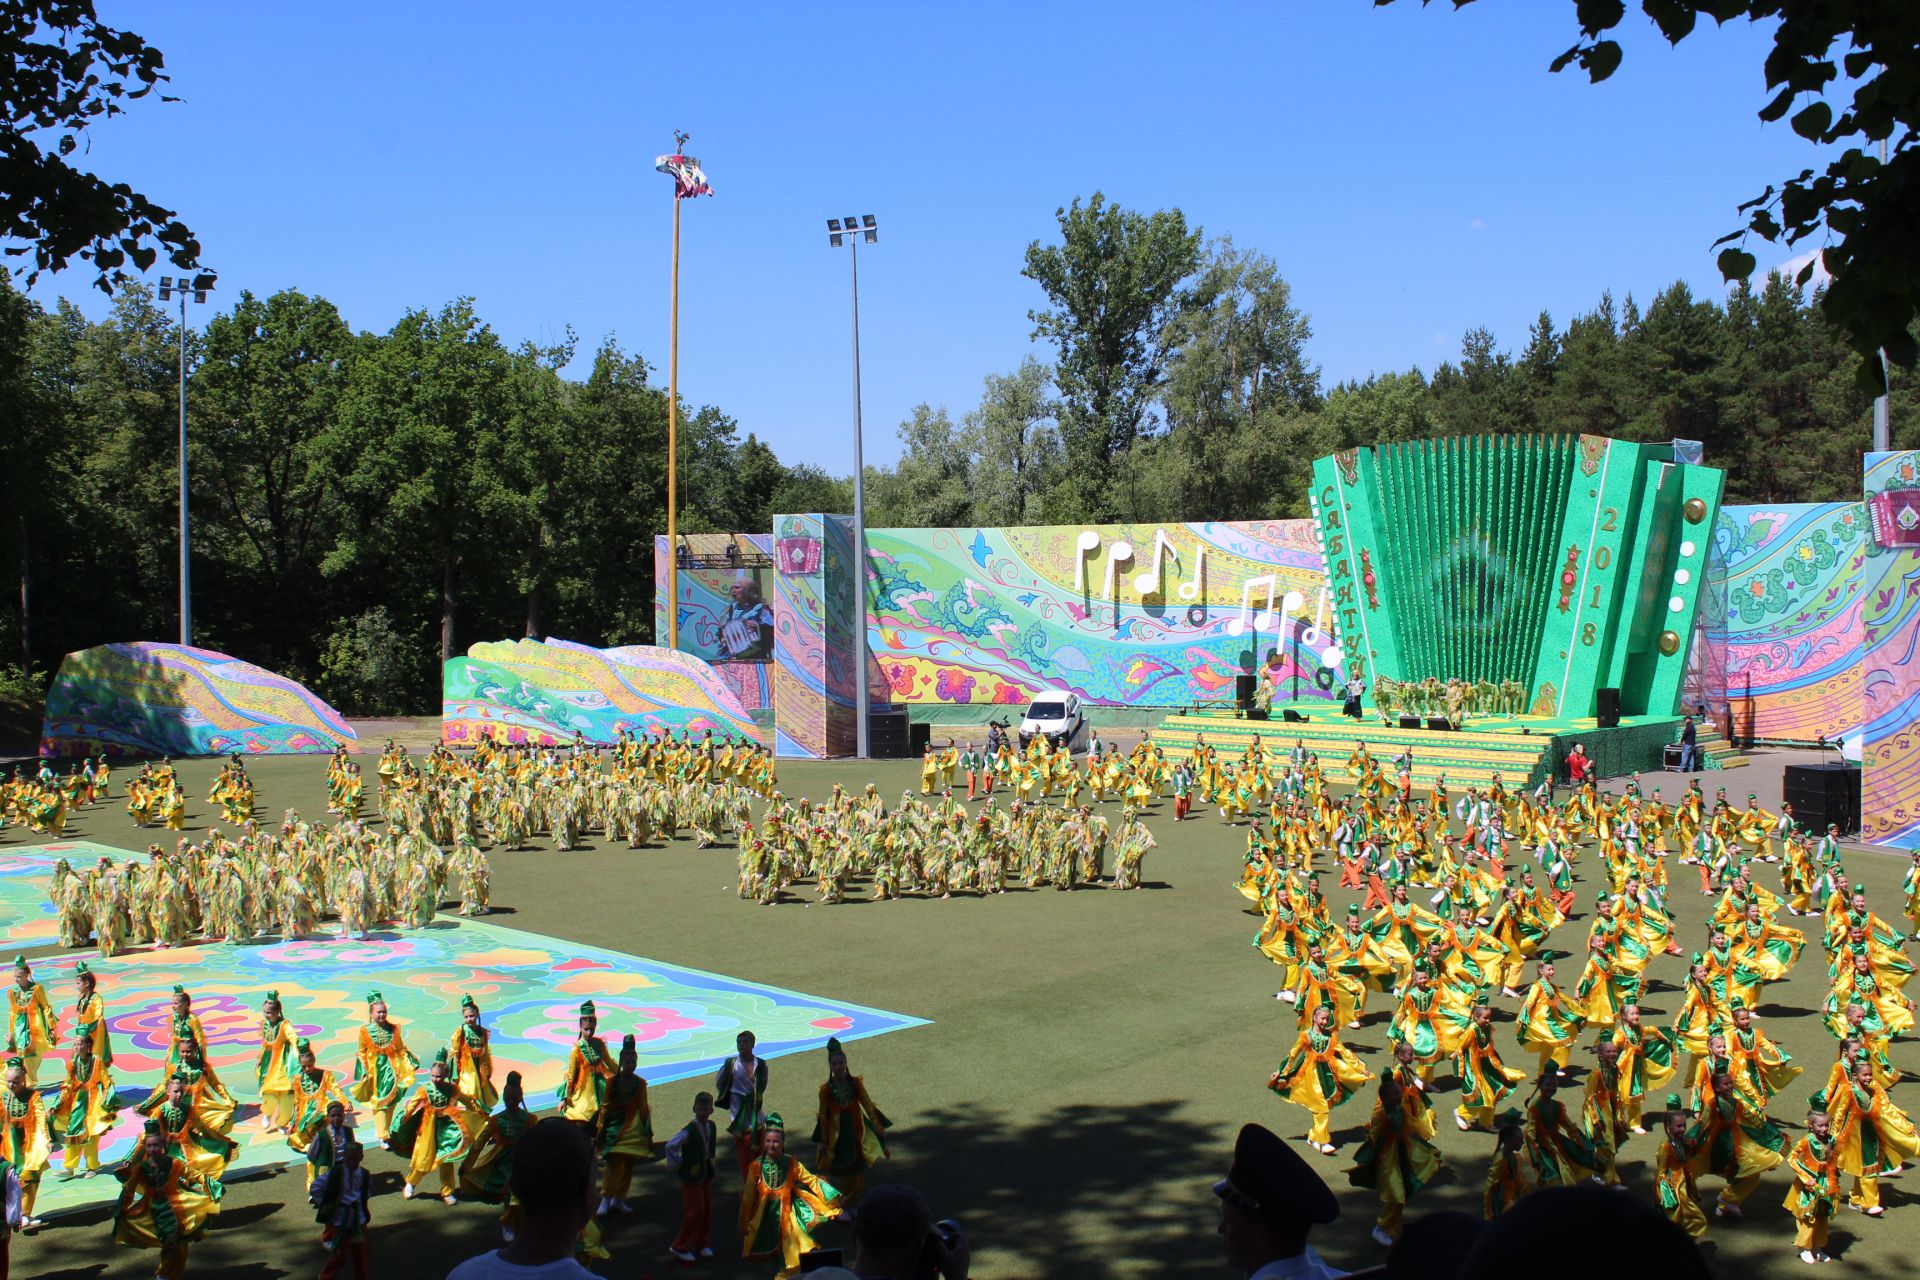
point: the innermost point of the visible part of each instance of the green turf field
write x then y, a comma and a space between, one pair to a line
1089, 1059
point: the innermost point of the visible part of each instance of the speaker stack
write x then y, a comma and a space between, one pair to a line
1822, 794
889, 735
1609, 709
1243, 687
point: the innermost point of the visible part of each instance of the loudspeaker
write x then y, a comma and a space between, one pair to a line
1439, 722
919, 734
1255, 713
1243, 691
1291, 716
1822, 794
888, 735
1609, 708
1409, 722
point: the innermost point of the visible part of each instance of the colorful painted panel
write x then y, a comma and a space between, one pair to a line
1890, 674
813, 674
683, 1020
148, 699
544, 691
1791, 583
711, 598
1128, 615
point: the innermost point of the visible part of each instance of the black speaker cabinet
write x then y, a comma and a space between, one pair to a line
1409, 722
919, 734
1440, 723
1609, 708
1243, 691
888, 735
1824, 793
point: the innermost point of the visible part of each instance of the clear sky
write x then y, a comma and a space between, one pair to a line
1414, 171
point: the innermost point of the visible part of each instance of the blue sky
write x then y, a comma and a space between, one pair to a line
1414, 172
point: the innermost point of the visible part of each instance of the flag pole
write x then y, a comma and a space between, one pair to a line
673, 443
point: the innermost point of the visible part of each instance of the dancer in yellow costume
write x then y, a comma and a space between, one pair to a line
1814, 1162
1646, 1062
279, 1060
383, 1068
314, 1087
164, 1204
1673, 1171
1547, 1025
1733, 1142
189, 1136
472, 1050
584, 1090
624, 1136
1319, 1074
781, 1202
849, 1131
435, 1132
84, 1112
1398, 1157
24, 1137
90, 1013
1484, 1079
1512, 1172
1874, 1137
487, 1174
32, 1029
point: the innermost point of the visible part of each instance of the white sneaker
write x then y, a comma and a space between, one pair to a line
706, 1253
406, 1191
1288, 996
681, 1254
1809, 1257
1382, 1238
620, 1206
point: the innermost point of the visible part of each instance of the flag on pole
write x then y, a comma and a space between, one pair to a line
689, 179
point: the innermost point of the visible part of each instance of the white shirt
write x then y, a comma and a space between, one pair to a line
1306, 1266
489, 1266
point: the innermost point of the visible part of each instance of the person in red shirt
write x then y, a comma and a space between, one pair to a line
1579, 766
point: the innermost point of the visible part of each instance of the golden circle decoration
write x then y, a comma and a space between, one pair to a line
1695, 510
1670, 642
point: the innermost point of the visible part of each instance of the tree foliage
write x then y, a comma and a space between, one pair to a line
62, 71
1864, 55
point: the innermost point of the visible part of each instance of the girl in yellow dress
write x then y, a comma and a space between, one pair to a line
849, 1130
32, 1029
472, 1050
584, 1090
781, 1202
313, 1087
1673, 1171
279, 1060
188, 1136
90, 1014
435, 1133
164, 1204
1398, 1157
383, 1068
24, 1138
1484, 1079
84, 1112
1874, 1136
1547, 1025
624, 1137
1319, 1074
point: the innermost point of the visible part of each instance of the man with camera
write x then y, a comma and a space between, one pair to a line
896, 1238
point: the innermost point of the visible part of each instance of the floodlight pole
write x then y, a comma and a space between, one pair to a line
198, 287
1882, 423
673, 443
859, 532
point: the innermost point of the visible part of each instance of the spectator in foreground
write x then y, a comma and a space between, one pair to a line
554, 1186
1269, 1201
896, 1238
1541, 1235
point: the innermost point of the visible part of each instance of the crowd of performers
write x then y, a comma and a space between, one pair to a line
451, 1126
1454, 699
1449, 925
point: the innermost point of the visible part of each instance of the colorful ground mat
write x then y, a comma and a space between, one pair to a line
528, 987
26, 883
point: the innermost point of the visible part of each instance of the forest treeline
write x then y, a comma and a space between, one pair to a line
365, 504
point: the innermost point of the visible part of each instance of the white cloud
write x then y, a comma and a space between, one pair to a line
1478, 224
1791, 268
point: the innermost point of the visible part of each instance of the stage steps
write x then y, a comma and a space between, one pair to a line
1716, 751
1466, 759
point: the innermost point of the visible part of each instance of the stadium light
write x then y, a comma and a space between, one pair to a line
198, 286
856, 229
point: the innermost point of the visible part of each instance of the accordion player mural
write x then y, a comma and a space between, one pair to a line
1549, 566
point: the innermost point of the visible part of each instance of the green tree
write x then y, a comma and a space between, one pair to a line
930, 487
62, 71
1017, 445
1113, 285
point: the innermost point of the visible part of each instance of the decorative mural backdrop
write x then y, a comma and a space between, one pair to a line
1129, 615
707, 595
813, 675
1890, 628
143, 698
544, 691
1792, 583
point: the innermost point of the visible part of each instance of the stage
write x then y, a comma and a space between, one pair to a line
1522, 750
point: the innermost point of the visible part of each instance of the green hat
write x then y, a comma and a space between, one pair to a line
440, 1056
466, 1002
1511, 1117
513, 1078
16, 1062
626, 1043
180, 991
303, 1045
374, 998
20, 962
1674, 1103
834, 1047
81, 971
273, 995
587, 1010
772, 1120
153, 1126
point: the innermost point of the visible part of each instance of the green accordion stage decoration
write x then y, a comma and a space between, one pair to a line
1557, 565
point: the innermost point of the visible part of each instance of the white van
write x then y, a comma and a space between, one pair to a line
1058, 718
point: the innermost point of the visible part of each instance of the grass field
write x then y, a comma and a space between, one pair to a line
1090, 1056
